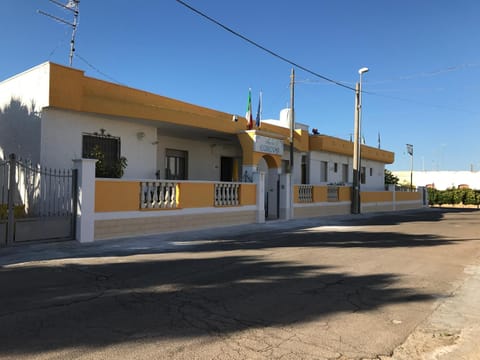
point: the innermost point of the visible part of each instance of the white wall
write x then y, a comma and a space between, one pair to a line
29, 86
62, 141
21, 99
203, 156
317, 157
374, 182
441, 179
377, 180
297, 164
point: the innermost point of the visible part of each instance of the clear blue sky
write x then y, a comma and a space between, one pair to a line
424, 61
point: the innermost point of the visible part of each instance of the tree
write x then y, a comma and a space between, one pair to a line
390, 178
469, 197
432, 196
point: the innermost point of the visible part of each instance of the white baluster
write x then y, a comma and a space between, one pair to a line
235, 194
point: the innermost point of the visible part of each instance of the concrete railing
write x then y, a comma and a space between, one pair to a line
320, 200
158, 194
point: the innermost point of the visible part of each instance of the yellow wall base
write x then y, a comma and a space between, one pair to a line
117, 228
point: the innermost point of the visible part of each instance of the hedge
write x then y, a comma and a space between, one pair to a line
454, 197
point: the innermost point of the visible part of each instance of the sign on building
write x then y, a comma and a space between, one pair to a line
267, 145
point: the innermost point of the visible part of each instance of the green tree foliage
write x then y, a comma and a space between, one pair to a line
390, 178
470, 197
102, 170
454, 197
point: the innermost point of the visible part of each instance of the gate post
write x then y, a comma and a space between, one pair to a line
286, 191
85, 211
260, 181
12, 187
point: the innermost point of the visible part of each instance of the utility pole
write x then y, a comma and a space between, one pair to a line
356, 154
292, 119
356, 202
73, 6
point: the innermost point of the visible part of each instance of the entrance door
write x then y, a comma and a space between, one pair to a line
226, 168
271, 190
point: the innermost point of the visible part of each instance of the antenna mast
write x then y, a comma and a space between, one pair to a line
73, 6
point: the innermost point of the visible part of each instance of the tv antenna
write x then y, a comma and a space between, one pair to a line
71, 5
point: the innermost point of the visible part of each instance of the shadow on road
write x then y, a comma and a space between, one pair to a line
318, 239
49, 308
396, 218
310, 233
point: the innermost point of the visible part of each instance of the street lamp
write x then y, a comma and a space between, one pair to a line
357, 145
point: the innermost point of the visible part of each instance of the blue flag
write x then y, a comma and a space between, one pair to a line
259, 111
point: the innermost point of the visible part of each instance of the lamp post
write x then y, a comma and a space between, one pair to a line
410, 152
357, 145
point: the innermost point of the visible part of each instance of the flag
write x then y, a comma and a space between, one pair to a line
379, 140
410, 149
248, 115
259, 111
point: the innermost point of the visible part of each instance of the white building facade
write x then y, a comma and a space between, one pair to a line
441, 180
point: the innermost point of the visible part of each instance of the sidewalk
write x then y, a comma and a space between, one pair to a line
165, 242
453, 329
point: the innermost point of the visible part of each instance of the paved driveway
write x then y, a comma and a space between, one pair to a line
355, 287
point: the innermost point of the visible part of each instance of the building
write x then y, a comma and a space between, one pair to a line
55, 114
441, 180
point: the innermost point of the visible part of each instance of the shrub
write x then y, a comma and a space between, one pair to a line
102, 170
454, 196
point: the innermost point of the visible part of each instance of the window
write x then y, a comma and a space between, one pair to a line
371, 171
176, 164
335, 167
105, 148
304, 170
345, 173
362, 175
324, 171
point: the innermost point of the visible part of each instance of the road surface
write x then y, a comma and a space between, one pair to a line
392, 286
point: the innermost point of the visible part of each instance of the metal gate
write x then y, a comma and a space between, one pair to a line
36, 203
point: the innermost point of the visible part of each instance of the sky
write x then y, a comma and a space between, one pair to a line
422, 87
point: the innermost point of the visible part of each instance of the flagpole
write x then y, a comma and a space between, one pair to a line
261, 105
292, 119
258, 118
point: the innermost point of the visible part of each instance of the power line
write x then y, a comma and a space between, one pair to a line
429, 73
380, 93
96, 69
263, 47
421, 103
322, 76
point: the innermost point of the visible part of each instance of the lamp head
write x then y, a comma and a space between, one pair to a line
363, 70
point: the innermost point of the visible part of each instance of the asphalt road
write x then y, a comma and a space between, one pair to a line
399, 286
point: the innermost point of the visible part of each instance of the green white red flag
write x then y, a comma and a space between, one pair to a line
248, 115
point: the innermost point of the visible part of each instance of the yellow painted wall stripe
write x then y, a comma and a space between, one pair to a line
344, 193
248, 194
407, 196
116, 195
70, 89
344, 147
320, 194
196, 195
376, 196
